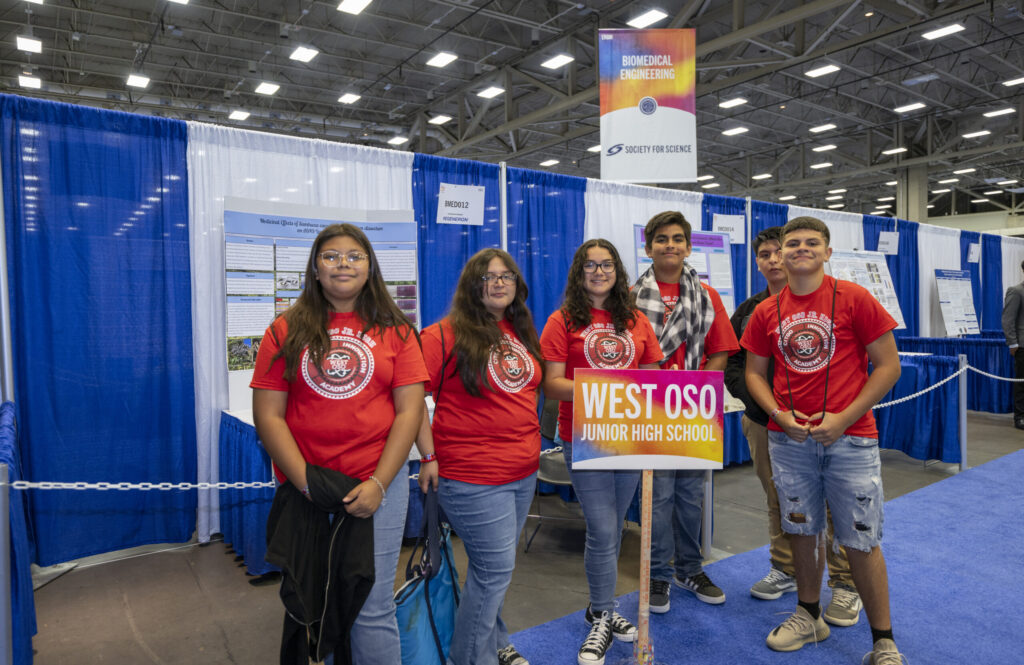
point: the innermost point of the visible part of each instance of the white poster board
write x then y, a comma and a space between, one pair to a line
956, 302
711, 258
869, 270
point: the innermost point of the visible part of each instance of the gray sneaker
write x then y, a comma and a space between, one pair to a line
509, 656
659, 596
884, 653
773, 585
799, 629
844, 608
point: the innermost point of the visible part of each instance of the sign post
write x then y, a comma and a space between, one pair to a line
647, 419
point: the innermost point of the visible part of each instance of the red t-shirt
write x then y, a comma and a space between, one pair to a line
492, 439
340, 416
720, 337
859, 321
597, 346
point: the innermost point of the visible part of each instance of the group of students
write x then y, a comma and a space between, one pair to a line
339, 389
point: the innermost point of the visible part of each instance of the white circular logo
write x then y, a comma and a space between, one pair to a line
348, 367
606, 349
511, 365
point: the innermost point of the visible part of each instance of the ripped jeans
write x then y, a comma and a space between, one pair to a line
847, 473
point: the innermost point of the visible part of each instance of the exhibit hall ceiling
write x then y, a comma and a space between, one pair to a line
795, 100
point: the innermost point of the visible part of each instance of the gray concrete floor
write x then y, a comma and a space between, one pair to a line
194, 605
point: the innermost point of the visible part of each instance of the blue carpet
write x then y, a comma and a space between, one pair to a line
954, 554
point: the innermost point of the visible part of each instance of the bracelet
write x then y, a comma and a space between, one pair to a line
429, 457
774, 413
305, 492
383, 495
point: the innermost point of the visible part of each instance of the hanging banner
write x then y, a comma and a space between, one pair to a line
647, 419
648, 116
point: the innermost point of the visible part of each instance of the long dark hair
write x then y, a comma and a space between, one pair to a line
476, 330
307, 318
619, 303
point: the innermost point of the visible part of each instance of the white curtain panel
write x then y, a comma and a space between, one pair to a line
225, 162
1013, 254
613, 209
846, 229
938, 247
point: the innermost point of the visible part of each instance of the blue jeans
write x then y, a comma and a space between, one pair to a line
848, 474
676, 507
604, 497
375, 632
488, 519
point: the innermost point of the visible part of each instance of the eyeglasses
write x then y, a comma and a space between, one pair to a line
502, 278
605, 266
337, 258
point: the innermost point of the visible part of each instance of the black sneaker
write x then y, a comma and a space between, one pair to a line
509, 656
598, 640
659, 596
622, 629
702, 587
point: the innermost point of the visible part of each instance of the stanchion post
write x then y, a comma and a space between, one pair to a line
962, 413
707, 514
643, 650
6, 614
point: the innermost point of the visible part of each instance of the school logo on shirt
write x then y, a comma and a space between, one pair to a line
670, 303
606, 349
805, 342
511, 365
348, 367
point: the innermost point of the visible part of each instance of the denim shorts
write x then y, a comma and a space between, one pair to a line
847, 474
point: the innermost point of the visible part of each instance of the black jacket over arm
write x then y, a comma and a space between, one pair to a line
735, 380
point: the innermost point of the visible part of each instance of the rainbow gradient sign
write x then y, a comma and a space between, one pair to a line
647, 419
648, 105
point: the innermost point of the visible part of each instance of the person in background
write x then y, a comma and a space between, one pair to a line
844, 608
483, 448
694, 332
338, 383
1013, 329
822, 437
597, 327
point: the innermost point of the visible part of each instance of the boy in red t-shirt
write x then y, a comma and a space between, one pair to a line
822, 438
694, 333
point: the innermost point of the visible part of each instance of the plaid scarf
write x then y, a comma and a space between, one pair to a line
688, 322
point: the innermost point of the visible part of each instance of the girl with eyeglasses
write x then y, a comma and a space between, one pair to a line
483, 448
597, 327
337, 400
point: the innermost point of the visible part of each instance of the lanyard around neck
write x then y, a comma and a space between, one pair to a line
831, 348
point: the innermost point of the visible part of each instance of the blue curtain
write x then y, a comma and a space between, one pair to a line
904, 268
992, 279
96, 209
545, 226
23, 609
729, 205
966, 239
986, 354
762, 215
445, 248
926, 427
873, 225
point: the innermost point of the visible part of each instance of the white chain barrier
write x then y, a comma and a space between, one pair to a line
102, 486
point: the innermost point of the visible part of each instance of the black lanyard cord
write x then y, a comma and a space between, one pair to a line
831, 348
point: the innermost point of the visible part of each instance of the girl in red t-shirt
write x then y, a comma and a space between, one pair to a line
339, 384
485, 368
598, 327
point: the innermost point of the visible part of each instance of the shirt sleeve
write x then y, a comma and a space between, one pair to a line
870, 319
652, 348
409, 367
721, 336
755, 337
554, 341
269, 373
433, 354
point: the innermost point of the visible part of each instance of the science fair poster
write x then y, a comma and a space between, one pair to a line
648, 113
647, 419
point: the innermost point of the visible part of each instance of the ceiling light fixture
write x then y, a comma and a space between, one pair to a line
137, 80
909, 107
974, 135
837, 197
884, 207
821, 165
646, 19
730, 103
893, 151
1003, 183
238, 114
837, 191
705, 177
999, 112
549, 162
963, 171
349, 98
892, 183
439, 119
761, 176
941, 191
824, 148
29, 44
993, 192
594, 148
304, 54
788, 197
949, 181
398, 140
491, 92
560, 60
887, 198
353, 6
943, 32
1014, 82
735, 130
979, 200
442, 59
267, 88
822, 128
30, 82
837, 205
710, 185
177, 2
821, 71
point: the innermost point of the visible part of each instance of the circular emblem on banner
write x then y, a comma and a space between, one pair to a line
511, 365
606, 349
348, 367
806, 345
648, 105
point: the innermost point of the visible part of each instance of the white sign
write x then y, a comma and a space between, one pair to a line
734, 225
889, 242
460, 204
974, 252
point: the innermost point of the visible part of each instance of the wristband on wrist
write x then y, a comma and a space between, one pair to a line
380, 485
429, 457
774, 413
